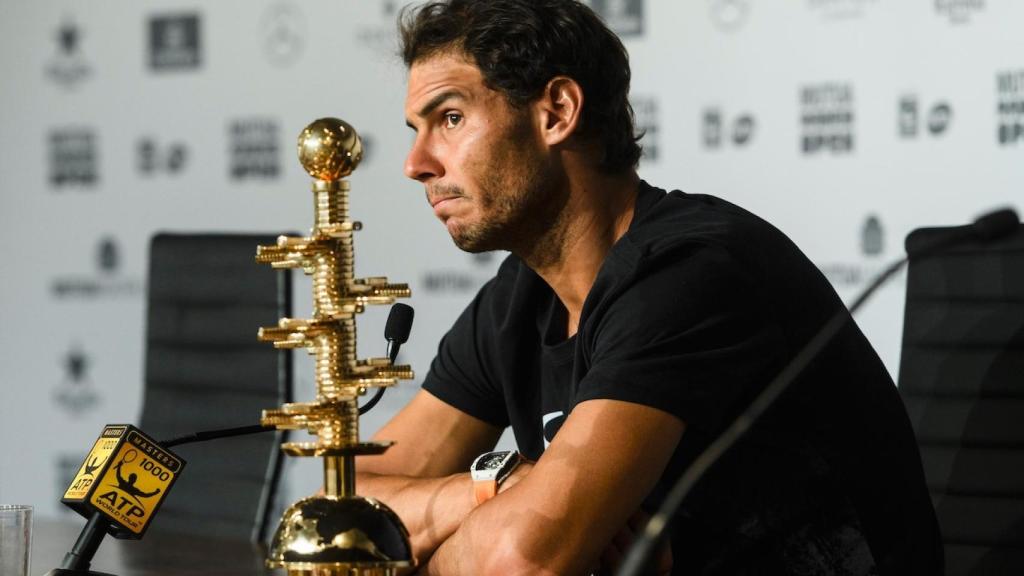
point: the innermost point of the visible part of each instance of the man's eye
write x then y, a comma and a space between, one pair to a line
452, 119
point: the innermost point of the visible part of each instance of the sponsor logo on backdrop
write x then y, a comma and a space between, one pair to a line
461, 281
729, 15
625, 17
1010, 95
645, 109
939, 115
76, 394
959, 11
381, 36
827, 116
840, 9
715, 134
68, 68
254, 149
153, 157
175, 42
857, 273
107, 280
711, 128
73, 158
108, 256
283, 29
872, 237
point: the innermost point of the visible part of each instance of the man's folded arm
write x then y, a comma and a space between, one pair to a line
424, 476
558, 519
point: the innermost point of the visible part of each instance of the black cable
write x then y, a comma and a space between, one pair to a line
372, 401
214, 434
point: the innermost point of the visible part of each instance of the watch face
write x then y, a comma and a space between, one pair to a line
494, 466
492, 461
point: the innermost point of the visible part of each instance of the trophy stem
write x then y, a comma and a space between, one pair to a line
340, 476
330, 204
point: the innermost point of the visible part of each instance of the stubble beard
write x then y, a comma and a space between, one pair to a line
520, 200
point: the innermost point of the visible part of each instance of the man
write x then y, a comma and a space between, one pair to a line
625, 331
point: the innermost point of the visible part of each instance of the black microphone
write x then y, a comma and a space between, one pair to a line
987, 228
398, 327
396, 332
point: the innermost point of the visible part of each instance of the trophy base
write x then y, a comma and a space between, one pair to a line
340, 536
66, 572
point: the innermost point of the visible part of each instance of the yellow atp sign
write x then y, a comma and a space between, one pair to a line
125, 477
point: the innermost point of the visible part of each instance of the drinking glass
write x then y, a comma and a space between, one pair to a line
15, 539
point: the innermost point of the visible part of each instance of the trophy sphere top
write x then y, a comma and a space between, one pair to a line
330, 149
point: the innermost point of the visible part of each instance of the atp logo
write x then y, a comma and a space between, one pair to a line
92, 467
126, 498
127, 485
130, 491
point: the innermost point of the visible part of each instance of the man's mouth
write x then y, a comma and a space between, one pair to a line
440, 193
444, 206
438, 200
441, 196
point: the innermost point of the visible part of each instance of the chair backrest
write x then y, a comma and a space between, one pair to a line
962, 379
206, 370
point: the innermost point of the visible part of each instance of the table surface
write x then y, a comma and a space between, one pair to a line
154, 555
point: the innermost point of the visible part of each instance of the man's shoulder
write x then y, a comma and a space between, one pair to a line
668, 220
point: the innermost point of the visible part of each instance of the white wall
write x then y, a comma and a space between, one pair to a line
160, 145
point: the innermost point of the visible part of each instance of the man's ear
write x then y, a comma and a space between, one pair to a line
560, 110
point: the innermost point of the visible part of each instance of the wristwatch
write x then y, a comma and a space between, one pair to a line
489, 470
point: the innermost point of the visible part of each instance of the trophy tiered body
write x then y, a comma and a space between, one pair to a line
337, 533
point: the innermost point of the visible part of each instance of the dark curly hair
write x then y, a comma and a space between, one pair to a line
519, 45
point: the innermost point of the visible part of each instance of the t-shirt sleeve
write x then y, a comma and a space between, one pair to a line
460, 374
688, 337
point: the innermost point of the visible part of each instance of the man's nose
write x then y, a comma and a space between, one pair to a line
422, 164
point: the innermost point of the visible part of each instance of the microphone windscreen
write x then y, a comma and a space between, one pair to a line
399, 323
996, 225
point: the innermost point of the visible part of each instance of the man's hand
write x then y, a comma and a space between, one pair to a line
618, 548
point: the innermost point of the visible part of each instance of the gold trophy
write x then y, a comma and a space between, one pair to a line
337, 533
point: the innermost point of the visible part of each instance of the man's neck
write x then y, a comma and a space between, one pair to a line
569, 254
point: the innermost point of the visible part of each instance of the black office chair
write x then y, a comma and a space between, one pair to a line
962, 378
206, 370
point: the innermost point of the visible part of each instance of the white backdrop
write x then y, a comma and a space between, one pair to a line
846, 123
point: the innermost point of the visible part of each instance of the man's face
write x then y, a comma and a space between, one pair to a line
481, 160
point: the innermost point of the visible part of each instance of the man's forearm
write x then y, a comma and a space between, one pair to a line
489, 542
447, 559
431, 508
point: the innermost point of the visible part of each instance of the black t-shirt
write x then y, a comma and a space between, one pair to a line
694, 310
